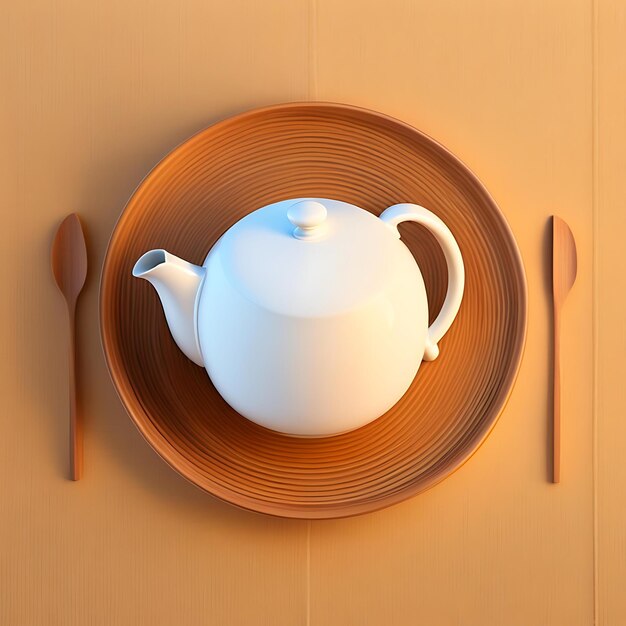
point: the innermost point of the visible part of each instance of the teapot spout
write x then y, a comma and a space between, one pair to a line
178, 284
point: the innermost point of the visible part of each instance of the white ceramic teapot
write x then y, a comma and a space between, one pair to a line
309, 315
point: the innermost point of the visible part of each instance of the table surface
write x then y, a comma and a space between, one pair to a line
530, 94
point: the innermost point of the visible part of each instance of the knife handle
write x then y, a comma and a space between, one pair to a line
556, 398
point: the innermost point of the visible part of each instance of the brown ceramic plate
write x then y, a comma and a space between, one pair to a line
323, 150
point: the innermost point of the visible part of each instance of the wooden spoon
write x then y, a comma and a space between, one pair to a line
69, 266
564, 266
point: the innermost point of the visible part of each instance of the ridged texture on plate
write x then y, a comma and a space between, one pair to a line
313, 149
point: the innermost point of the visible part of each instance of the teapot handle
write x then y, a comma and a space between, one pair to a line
397, 213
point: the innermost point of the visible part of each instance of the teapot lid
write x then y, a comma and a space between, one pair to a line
309, 257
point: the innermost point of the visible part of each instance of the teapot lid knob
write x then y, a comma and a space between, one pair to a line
309, 218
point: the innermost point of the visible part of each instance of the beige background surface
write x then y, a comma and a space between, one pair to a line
531, 95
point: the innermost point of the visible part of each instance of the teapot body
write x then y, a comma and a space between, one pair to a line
311, 375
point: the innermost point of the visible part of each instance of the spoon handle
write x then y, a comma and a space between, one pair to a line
556, 398
76, 426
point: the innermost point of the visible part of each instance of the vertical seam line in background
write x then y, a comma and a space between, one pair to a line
308, 573
312, 33
313, 96
594, 296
